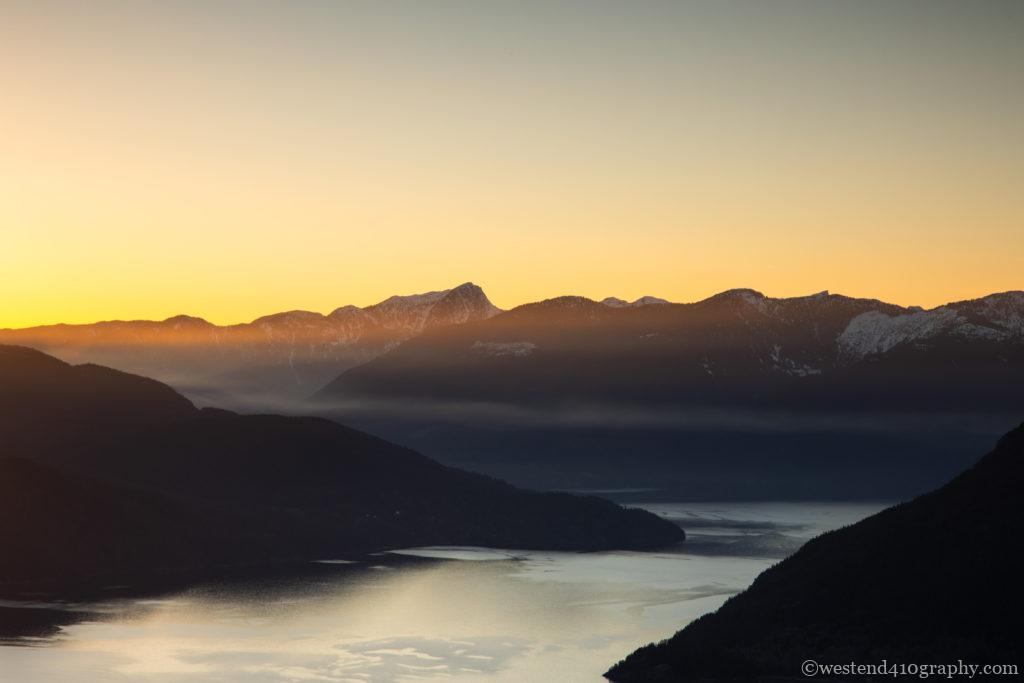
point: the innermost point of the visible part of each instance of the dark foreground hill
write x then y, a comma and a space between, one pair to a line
934, 580
108, 475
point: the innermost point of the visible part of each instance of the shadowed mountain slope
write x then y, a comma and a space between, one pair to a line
736, 348
737, 396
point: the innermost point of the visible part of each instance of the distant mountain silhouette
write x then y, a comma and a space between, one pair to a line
107, 474
273, 358
725, 385
934, 580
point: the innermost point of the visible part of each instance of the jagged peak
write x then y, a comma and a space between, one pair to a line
462, 304
467, 290
415, 312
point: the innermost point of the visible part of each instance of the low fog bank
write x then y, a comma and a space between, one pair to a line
402, 413
689, 452
634, 416
672, 452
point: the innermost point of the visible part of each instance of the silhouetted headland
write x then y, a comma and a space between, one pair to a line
109, 476
934, 580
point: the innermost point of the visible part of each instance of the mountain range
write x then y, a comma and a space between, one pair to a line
739, 395
738, 346
109, 477
273, 358
676, 351
934, 580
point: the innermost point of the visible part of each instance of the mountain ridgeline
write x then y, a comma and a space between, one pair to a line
108, 476
274, 358
736, 348
934, 580
737, 396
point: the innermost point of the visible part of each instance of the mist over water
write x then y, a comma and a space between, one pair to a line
467, 614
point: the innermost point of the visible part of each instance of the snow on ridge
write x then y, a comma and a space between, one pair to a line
348, 309
972, 331
789, 366
1005, 310
750, 297
462, 304
616, 302
649, 301
413, 313
409, 300
875, 332
496, 349
408, 312
289, 319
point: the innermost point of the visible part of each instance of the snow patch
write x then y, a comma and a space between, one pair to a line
497, 349
789, 366
972, 331
1004, 311
616, 302
649, 301
875, 332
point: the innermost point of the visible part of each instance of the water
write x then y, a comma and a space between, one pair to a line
463, 614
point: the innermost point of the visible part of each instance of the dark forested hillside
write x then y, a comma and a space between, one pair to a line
123, 475
936, 579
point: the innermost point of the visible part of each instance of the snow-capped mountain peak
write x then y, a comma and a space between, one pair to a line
412, 313
997, 317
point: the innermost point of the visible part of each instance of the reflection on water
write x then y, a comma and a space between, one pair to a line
424, 614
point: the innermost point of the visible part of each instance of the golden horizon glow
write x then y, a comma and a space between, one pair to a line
227, 321
232, 161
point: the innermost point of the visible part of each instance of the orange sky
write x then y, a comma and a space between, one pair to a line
230, 160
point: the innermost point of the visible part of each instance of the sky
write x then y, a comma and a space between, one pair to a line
232, 159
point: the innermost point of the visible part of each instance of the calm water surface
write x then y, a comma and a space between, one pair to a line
429, 614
